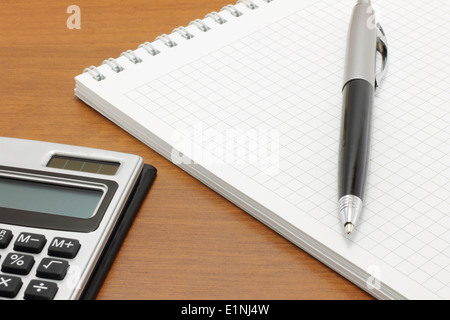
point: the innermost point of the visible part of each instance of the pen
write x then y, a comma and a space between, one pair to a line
365, 40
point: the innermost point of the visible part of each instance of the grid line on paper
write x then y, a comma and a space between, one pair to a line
284, 78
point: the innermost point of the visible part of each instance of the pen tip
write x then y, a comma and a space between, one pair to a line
349, 228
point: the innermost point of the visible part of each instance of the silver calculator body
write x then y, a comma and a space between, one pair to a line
58, 207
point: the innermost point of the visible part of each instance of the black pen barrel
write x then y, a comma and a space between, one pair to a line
354, 144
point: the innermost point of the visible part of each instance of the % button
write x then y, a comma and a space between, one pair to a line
18, 264
17, 260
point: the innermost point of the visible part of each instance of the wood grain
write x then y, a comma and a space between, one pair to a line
187, 241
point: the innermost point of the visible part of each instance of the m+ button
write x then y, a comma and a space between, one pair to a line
64, 248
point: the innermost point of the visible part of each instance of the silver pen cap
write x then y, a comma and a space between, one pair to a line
361, 52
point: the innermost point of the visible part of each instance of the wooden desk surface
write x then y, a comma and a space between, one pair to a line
187, 241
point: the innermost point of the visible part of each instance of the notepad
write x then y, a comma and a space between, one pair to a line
248, 101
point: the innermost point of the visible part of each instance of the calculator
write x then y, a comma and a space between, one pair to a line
64, 212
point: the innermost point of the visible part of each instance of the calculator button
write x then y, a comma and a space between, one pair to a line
64, 248
17, 263
5, 238
30, 242
40, 290
52, 269
9, 286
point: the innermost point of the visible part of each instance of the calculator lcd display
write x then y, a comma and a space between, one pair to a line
49, 198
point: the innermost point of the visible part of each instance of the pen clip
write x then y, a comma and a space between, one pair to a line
382, 49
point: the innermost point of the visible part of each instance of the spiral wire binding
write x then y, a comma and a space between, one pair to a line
147, 46
232, 10
200, 25
183, 32
216, 17
248, 3
114, 65
130, 55
168, 41
93, 71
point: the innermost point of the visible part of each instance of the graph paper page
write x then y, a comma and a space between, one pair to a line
272, 79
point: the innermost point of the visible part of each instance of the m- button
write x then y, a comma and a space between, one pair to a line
64, 248
30, 242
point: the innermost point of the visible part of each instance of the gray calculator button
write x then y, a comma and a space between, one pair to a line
9, 286
64, 248
51, 268
40, 290
30, 242
5, 238
17, 263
